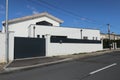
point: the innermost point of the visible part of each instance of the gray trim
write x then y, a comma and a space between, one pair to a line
68, 40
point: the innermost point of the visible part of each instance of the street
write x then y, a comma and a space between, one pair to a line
103, 67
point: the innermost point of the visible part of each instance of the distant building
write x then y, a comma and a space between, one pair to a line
112, 36
114, 41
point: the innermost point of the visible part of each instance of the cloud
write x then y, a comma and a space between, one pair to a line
2, 9
35, 12
33, 9
83, 19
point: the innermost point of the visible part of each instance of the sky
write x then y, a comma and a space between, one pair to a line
93, 14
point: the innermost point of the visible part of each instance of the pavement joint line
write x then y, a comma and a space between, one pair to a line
106, 67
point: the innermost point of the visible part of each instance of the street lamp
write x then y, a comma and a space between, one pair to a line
81, 33
34, 31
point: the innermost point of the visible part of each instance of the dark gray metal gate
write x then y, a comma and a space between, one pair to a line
28, 47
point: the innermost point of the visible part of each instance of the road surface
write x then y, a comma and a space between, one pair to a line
104, 67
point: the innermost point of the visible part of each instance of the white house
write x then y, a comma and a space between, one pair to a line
57, 40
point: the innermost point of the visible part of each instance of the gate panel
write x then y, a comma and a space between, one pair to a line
29, 47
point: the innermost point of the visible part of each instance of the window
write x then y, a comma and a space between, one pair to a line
85, 37
44, 23
58, 36
43, 36
38, 36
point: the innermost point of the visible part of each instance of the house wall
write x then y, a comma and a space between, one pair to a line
62, 31
2, 47
54, 49
21, 28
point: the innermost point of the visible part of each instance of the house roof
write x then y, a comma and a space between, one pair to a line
33, 17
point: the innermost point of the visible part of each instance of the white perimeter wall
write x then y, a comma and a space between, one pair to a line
54, 49
2, 47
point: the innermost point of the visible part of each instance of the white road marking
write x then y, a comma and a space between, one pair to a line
102, 68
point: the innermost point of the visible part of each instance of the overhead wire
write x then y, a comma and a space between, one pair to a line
71, 13
51, 6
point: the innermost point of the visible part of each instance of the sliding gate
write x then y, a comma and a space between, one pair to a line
29, 47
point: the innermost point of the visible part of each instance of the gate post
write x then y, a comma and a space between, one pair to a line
47, 43
11, 46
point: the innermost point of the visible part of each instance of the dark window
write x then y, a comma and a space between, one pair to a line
43, 36
58, 36
44, 23
38, 36
85, 37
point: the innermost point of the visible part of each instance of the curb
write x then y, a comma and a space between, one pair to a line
10, 70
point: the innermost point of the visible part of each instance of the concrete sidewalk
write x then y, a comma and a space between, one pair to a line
1, 66
44, 61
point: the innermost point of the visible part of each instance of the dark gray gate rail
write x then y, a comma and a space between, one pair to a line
28, 47
68, 40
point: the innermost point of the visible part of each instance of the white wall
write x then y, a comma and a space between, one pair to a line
2, 47
71, 48
64, 31
21, 28
54, 49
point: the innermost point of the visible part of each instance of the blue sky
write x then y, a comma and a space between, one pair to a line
75, 13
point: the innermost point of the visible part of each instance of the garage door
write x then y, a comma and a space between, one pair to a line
29, 47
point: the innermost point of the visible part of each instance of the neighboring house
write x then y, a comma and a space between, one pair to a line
114, 41
117, 37
112, 36
42, 35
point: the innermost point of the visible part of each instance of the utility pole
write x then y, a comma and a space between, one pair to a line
7, 34
109, 35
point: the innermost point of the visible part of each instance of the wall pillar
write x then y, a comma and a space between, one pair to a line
47, 42
11, 46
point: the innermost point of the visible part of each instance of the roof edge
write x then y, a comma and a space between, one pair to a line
33, 17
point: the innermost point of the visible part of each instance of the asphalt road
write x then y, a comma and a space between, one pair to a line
104, 67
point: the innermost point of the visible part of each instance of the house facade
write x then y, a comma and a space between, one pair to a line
42, 33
